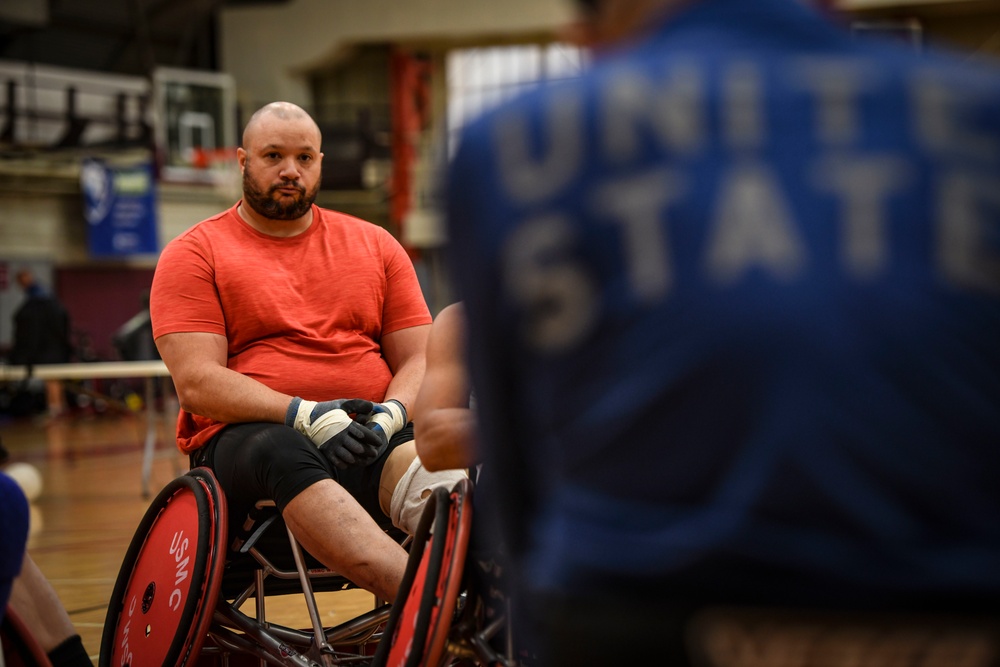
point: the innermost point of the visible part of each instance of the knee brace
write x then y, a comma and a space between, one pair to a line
414, 488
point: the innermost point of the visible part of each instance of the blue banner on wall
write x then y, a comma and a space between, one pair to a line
120, 208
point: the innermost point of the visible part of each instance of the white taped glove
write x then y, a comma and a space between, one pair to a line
387, 419
330, 426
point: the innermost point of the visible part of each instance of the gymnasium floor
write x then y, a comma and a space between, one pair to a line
91, 503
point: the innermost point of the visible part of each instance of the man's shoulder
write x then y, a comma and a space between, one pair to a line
960, 70
330, 215
349, 223
220, 220
207, 228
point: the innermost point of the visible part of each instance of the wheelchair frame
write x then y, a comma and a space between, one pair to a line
432, 622
318, 645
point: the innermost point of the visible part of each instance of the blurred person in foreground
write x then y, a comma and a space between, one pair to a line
446, 433
14, 520
446, 439
25, 591
733, 299
39, 608
295, 336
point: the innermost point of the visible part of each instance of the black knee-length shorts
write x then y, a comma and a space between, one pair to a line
260, 460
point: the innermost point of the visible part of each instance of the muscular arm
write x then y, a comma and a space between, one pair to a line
405, 352
197, 364
445, 432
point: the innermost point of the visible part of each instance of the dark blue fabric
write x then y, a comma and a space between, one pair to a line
13, 535
748, 350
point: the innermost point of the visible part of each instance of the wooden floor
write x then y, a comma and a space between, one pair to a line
91, 503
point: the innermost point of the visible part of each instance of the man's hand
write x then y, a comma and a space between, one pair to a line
386, 419
330, 426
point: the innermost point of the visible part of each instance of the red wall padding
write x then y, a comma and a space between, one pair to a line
100, 300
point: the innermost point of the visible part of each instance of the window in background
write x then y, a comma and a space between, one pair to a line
481, 78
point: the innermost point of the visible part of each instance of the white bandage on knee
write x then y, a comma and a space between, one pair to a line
414, 488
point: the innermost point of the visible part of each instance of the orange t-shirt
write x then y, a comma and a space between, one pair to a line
302, 315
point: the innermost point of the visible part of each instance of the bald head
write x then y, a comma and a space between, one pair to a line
280, 111
281, 161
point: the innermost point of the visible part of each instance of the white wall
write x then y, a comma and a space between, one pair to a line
302, 34
50, 227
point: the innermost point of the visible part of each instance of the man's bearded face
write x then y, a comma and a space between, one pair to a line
274, 200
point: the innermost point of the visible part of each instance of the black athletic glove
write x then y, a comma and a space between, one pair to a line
354, 446
330, 426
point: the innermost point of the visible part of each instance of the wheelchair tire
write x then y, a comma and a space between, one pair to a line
417, 630
169, 581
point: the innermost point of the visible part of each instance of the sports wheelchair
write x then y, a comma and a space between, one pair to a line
185, 577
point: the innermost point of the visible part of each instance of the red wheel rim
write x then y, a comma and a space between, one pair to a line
168, 584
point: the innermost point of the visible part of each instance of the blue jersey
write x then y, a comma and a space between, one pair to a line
14, 532
734, 313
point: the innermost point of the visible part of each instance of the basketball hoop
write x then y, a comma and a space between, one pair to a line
213, 158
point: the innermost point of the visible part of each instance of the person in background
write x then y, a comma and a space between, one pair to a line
733, 299
295, 337
42, 336
134, 340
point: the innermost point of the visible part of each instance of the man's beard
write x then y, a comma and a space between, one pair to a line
265, 204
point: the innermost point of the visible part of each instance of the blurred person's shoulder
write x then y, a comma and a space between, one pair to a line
928, 58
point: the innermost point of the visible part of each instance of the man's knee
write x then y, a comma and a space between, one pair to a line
407, 485
396, 465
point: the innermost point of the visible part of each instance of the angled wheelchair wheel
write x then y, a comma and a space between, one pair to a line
18, 647
169, 581
417, 630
